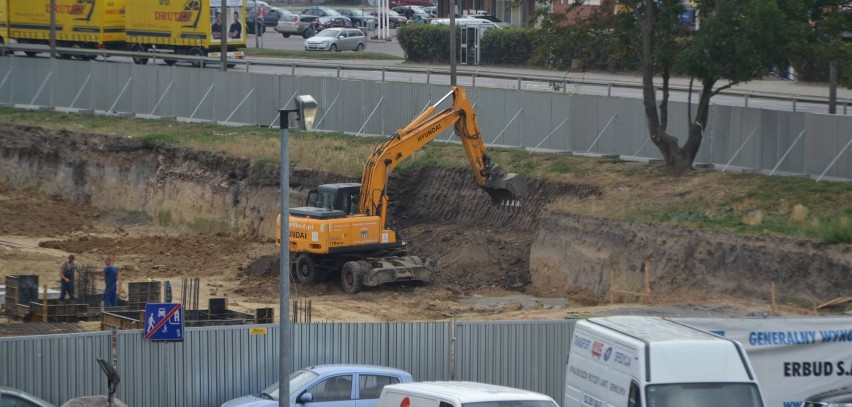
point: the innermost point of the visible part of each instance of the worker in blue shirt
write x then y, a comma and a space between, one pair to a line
111, 283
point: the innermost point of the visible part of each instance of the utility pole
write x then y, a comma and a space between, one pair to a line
452, 42
53, 28
224, 35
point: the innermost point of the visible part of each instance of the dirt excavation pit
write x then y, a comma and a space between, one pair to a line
173, 214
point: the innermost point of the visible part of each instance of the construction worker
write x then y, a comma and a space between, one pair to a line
66, 275
110, 283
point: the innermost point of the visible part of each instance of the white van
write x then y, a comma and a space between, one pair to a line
655, 362
460, 394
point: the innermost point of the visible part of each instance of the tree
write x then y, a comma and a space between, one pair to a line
831, 22
734, 41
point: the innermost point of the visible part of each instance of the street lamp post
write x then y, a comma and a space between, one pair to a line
306, 109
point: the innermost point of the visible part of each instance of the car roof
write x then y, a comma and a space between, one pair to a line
344, 368
25, 395
467, 392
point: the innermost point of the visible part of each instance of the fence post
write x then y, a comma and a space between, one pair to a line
548, 136
842, 150
85, 82
3, 82
504, 128
202, 100
239, 106
112, 108
162, 97
740, 148
316, 126
370, 116
788, 150
601, 133
40, 88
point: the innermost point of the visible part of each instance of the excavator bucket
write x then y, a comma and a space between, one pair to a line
507, 190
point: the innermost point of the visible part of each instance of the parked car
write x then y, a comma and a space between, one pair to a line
320, 11
418, 15
272, 16
256, 7
395, 3
18, 398
500, 23
358, 17
297, 24
432, 10
337, 39
394, 19
335, 385
255, 25
335, 22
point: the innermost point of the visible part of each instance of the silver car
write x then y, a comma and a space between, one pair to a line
337, 39
14, 397
330, 386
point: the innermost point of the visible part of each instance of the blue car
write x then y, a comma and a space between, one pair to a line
330, 386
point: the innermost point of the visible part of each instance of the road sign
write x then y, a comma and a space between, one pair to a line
164, 322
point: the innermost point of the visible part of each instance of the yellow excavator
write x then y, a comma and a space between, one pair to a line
343, 227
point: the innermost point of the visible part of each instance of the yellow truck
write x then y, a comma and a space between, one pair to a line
91, 24
185, 27
4, 24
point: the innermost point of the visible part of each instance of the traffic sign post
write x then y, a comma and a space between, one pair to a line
164, 322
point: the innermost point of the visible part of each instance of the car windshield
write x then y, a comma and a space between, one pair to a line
328, 33
330, 12
298, 379
355, 12
392, 13
512, 403
703, 394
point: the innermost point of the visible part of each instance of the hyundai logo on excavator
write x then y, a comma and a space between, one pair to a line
435, 129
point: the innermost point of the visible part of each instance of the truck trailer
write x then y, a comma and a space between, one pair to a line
185, 27
87, 24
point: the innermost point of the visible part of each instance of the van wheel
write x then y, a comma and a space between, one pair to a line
351, 277
170, 62
306, 34
285, 35
138, 60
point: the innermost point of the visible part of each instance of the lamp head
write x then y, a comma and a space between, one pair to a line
307, 110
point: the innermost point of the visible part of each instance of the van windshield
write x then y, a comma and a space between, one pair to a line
703, 395
512, 403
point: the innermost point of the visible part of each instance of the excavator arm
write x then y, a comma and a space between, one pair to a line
503, 188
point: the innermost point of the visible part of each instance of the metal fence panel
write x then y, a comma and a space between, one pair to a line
781, 142
55, 367
525, 354
765, 140
211, 365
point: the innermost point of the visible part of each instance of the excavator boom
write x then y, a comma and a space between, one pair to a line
506, 189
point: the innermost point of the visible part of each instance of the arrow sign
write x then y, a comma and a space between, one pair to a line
164, 322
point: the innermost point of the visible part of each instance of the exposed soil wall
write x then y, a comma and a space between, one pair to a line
447, 216
572, 251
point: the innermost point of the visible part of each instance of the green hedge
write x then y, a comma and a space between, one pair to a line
431, 43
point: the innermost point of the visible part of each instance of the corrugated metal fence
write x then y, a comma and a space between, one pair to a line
735, 138
215, 364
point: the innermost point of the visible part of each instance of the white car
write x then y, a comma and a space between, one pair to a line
14, 397
337, 39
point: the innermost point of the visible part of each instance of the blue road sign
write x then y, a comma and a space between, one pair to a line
164, 322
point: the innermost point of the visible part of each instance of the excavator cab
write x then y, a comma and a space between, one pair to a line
340, 197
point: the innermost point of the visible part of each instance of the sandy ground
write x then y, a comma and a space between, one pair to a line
38, 231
